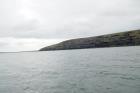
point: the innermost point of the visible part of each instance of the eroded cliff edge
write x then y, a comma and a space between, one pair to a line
129, 38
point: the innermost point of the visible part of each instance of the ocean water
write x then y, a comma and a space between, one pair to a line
100, 70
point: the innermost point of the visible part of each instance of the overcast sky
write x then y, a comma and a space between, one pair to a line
32, 24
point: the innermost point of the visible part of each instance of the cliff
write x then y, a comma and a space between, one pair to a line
129, 38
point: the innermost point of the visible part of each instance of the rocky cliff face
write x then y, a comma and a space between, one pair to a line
130, 38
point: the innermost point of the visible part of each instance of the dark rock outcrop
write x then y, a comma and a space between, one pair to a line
130, 38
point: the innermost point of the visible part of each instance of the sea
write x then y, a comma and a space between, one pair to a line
97, 70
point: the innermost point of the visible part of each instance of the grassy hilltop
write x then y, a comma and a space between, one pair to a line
129, 38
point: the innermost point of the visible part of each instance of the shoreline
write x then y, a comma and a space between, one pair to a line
68, 49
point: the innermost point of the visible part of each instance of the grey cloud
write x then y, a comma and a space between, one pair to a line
63, 19
29, 25
3, 44
67, 18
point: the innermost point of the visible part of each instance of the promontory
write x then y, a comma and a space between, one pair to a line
127, 38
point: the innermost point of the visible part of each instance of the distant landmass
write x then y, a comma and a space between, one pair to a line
129, 38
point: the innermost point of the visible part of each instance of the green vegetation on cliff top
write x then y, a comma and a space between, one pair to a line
129, 38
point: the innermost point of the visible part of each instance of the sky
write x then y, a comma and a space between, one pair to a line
27, 25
